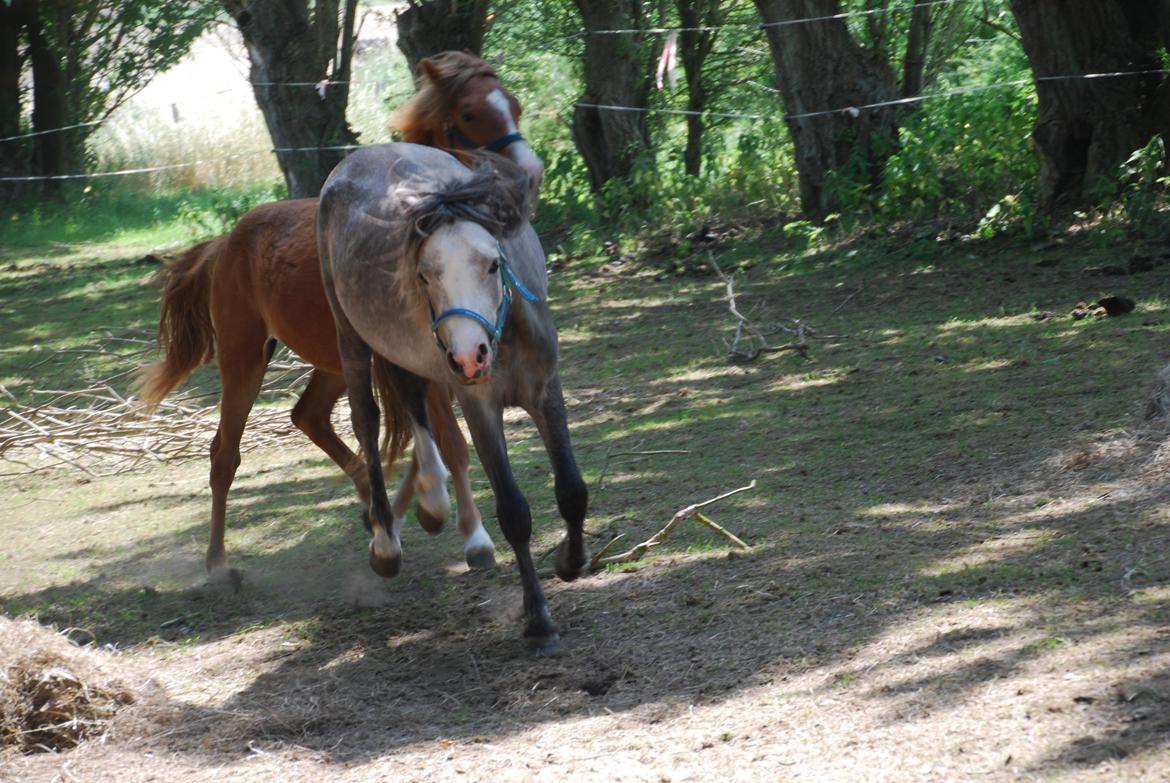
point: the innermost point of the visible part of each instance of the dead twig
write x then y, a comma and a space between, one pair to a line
747, 332
639, 551
616, 454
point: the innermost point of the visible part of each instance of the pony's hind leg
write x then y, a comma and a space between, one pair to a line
571, 491
478, 549
312, 416
240, 378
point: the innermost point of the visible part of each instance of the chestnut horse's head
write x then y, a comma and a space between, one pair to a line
460, 106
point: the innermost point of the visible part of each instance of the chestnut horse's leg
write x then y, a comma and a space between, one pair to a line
572, 494
487, 432
313, 416
241, 371
477, 544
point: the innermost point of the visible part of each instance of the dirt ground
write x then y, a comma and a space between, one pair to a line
958, 566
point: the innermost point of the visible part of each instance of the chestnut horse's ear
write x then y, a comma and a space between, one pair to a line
431, 70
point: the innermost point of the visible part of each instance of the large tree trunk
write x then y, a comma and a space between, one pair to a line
694, 46
12, 152
288, 48
427, 27
49, 116
1087, 127
820, 67
615, 75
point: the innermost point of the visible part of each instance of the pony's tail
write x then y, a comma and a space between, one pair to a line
185, 331
398, 429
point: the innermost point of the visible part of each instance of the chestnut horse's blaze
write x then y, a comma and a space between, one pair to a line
230, 296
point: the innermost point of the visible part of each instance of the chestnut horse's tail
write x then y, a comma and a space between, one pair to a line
398, 429
185, 331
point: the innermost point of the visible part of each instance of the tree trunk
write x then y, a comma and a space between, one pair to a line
12, 152
820, 67
427, 27
615, 75
48, 115
917, 49
1087, 127
290, 48
694, 46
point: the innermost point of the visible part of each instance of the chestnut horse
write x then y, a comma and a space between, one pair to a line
234, 296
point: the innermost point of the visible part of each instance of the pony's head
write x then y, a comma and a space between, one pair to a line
461, 105
460, 271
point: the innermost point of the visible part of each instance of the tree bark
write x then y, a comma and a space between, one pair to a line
694, 46
917, 49
615, 75
13, 19
290, 48
1088, 127
50, 148
820, 67
427, 27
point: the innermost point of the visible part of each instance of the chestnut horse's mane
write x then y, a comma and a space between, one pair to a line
427, 110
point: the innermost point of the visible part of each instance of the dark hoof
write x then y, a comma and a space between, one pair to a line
223, 578
386, 567
428, 521
481, 558
544, 646
571, 562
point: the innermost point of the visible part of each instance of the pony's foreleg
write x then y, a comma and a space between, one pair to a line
571, 491
430, 476
478, 549
487, 431
385, 546
312, 416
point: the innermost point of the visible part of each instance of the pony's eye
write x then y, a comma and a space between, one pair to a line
495, 267
422, 279
468, 117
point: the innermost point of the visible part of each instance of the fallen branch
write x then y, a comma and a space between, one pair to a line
756, 342
639, 551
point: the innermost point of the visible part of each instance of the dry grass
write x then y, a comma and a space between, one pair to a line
53, 694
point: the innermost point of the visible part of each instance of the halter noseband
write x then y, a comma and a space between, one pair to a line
508, 281
457, 140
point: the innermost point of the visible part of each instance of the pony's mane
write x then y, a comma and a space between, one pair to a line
428, 108
494, 194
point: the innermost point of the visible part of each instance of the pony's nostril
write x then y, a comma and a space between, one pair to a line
454, 364
483, 352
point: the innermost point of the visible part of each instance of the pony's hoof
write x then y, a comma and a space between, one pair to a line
481, 558
428, 521
224, 578
385, 567
544, 646
571, 561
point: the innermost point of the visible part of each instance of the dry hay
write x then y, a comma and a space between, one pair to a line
99, 431
1158, 397
53, 694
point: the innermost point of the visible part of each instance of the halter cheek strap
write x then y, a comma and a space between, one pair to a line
457, 140
509, 282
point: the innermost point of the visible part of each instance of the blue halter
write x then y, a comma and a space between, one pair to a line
457, 140
509, 282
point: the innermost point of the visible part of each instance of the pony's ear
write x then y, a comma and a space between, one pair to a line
430, 70
509, 201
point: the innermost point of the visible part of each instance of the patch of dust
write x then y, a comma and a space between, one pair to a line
363, 589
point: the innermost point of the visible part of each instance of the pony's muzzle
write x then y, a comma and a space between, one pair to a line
473, 365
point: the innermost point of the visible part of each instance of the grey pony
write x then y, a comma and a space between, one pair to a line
368, 272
